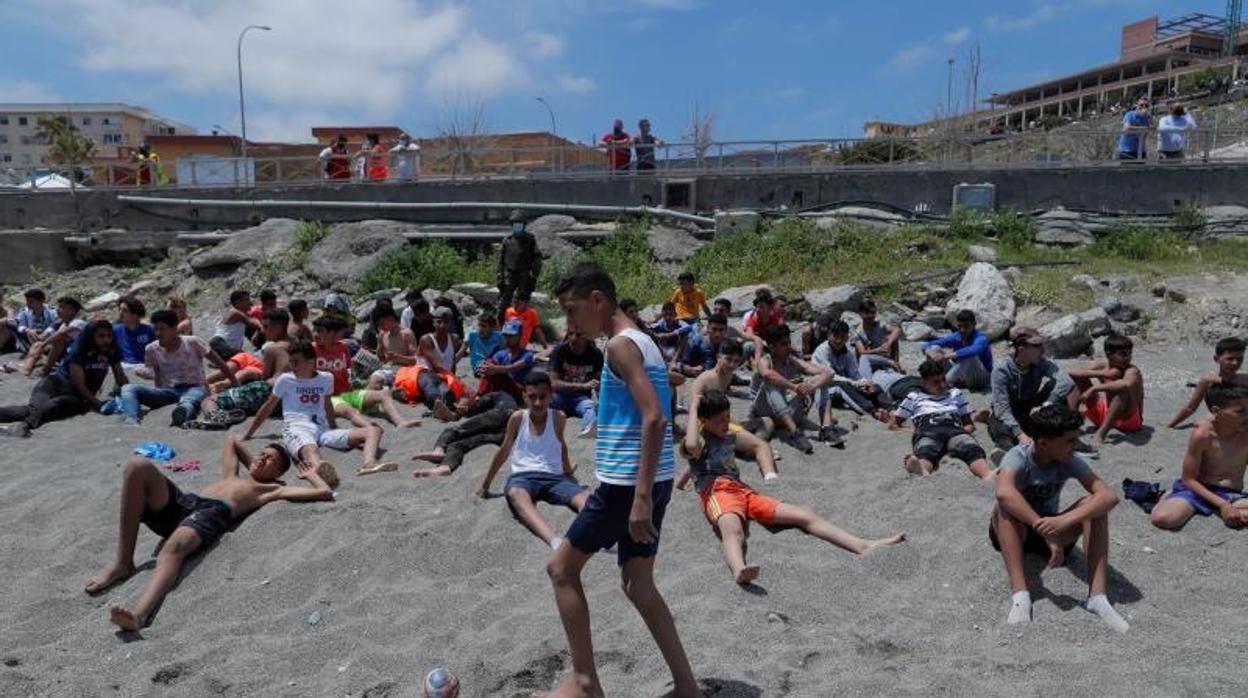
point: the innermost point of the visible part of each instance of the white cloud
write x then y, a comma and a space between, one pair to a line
543, 45
577, 84
1041, 14
911, 57
957, 36
20, 90
362, 60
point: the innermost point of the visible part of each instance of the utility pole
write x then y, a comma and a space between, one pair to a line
949, 92
554, 130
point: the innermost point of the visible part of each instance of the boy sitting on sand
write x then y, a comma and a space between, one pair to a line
1213, 467
189, 522
541, 470
1112, 390
942, 424
1228, 354
308, 419
1027, 517
730, 504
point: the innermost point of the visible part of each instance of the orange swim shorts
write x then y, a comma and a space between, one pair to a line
243, 360
1099, 409
729, 496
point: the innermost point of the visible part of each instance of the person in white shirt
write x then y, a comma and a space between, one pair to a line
1172, 133
405, 156
541, 470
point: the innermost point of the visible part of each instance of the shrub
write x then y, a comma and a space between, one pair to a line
433, 264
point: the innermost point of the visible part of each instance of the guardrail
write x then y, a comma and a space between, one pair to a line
1030, 149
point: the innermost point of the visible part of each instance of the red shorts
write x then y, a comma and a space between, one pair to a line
1099, 408
728, 496
243, 360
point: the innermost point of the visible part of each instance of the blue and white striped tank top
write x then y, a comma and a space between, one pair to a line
619, 421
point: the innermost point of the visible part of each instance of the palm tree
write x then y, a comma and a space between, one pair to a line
66, 146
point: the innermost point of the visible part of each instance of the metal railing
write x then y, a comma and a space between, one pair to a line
1029, 149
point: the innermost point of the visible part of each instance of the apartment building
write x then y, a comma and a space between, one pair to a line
116, 128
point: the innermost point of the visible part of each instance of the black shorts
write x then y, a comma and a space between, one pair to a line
932, 443
208, 518
603, 521
1034, 543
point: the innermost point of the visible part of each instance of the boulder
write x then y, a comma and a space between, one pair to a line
1060, 214
835, 300
550, 224
984, 291
463, 301
932, 316
483, 294
671, 244
1085, 280
1118, 310
1174, 295
271, 239
1012, 275
1096, 321
1063, 236
102, 302
651, 313
861, 215
351, 250
741, 298
736, 222
980, 253
546, 229
1072, 335
917, 331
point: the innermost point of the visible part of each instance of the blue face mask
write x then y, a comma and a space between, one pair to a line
517, 228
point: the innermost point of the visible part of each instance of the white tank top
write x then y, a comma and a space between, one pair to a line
232, 334
446, 354
537, 453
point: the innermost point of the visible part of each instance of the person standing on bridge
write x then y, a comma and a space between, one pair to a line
643, 147
1135, 125
406, 157
519, 264
617, 143
1172, 133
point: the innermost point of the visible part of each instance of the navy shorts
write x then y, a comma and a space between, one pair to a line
208, 518
603, 521
558, 490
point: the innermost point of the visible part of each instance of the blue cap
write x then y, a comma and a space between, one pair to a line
512, 326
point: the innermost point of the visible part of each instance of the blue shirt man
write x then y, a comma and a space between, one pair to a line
970, 364
1134, 124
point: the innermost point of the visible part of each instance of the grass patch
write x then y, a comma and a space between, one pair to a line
627, 257
431, 264
307, 235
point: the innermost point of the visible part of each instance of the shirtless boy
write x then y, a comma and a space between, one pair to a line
1228, 354
730, 504
1111, 390
719, 379
1213, 467
189, 522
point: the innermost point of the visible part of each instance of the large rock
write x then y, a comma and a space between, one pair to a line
736, 222
1064, 236
351, 250
102, 302
986, 292
741, 297
835, 300
271, 239
672, 244
1118, 309
483, 294
917, 331
932, 316
870, 217
546, 229
1072, 335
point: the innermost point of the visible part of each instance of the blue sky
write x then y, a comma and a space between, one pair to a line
767, 70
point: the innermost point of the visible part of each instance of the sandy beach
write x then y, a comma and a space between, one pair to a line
363, 595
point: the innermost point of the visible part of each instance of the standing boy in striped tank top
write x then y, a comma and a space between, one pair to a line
635, 469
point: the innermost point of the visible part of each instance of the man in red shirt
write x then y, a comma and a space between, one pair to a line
618, 145
756, 323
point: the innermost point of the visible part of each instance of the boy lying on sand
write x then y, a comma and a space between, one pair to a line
1213, 467
189, 522
730, 504
1027, 520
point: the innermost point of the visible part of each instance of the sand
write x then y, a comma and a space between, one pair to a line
363, 595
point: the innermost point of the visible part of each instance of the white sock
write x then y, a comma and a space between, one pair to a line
1100, 605
771, 476
555, 542
1020, 610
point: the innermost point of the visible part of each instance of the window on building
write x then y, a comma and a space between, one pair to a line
22, 121
4, 138
114, 138
86, 121
106, 121
6, 158
4, 121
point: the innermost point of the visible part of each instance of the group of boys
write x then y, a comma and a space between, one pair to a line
624, 396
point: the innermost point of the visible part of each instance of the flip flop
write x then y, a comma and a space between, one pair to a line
378, 467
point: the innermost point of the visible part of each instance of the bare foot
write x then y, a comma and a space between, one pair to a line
125, 619
891, 540
913, 465
748, 574
442, 412
441, 470
107, 577
430, 456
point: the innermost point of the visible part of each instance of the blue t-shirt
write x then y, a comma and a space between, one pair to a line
505, 358
700, 353
95, 366
1042, 487
1131, 142
481, 348
132, 344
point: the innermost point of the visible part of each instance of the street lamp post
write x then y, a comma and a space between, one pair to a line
242, 110
554, 130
